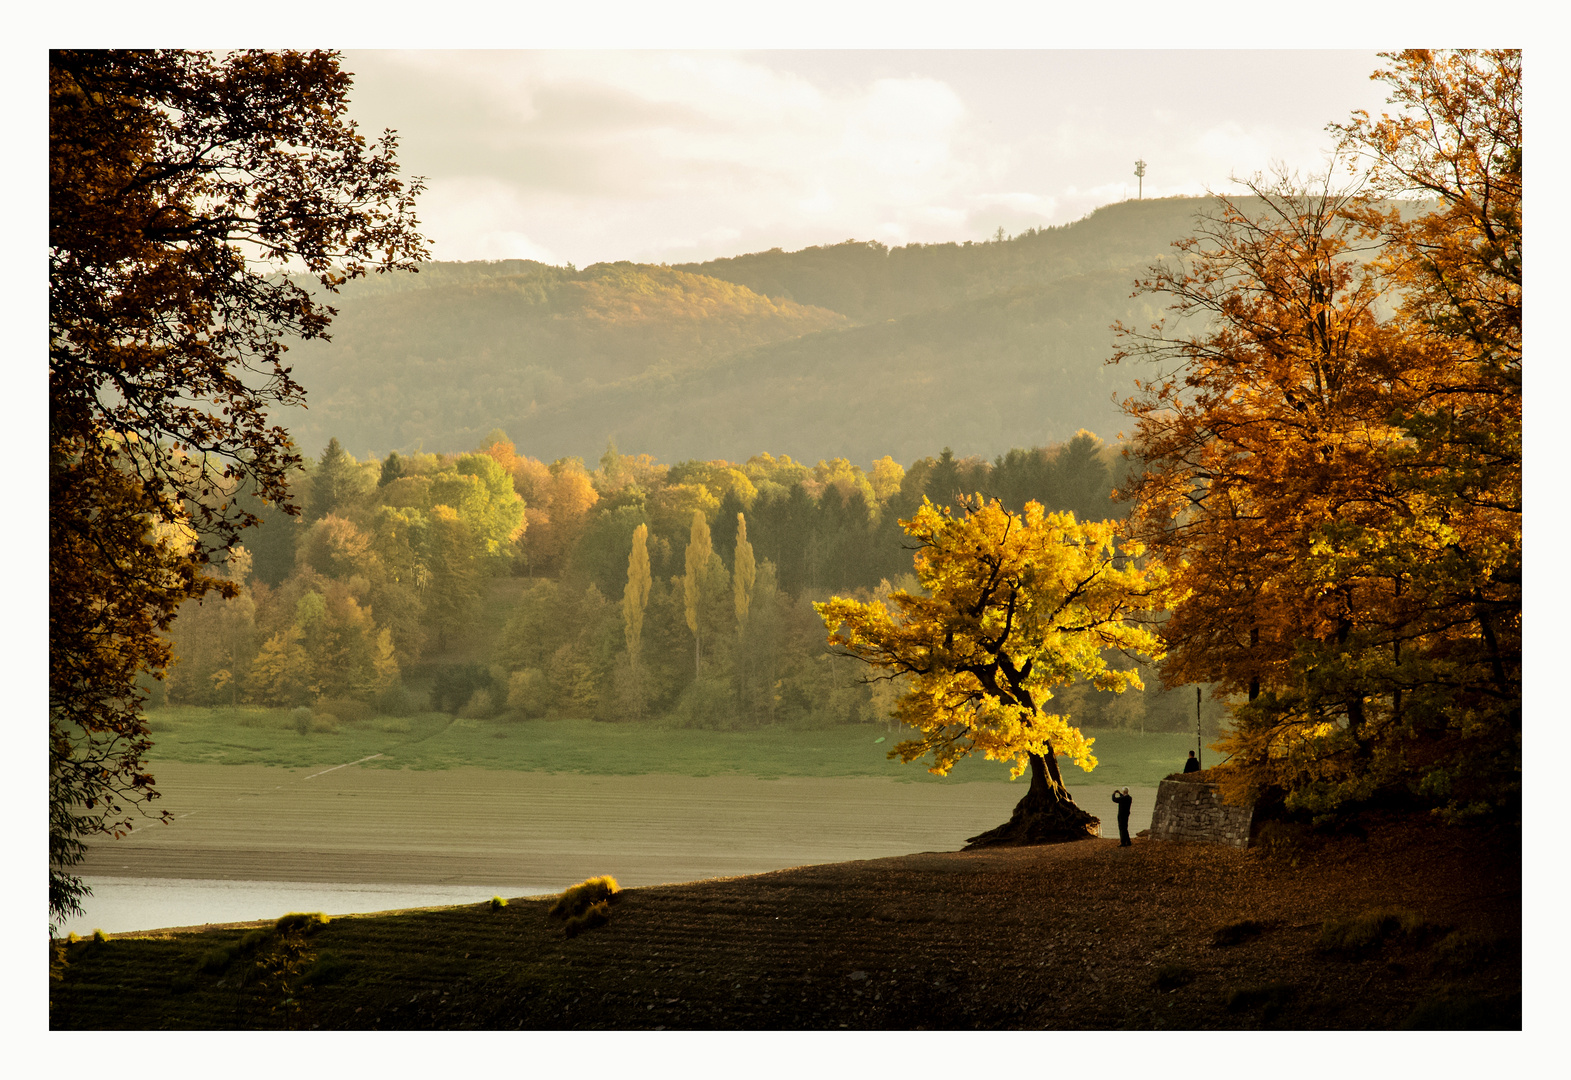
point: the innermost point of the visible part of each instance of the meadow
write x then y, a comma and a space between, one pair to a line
291, 739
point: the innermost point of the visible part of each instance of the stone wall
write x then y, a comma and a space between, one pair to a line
1187, 810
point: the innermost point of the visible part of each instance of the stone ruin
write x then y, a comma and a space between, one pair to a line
1193, 810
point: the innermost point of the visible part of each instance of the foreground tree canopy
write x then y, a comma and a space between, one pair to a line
1015, 605
180, 185
1333, 457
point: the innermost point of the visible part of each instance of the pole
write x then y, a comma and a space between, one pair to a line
1197, 725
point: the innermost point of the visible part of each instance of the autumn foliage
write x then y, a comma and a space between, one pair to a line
1332, 453
1013, 606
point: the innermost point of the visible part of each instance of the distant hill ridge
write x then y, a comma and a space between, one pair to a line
851, 349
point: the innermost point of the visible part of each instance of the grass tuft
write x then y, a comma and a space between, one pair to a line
497, 903
327, 968
99, 937
575, 901
215, 960
1270, 999
307, 921
1234, 933
1501, 1012
597, 914
1363, 934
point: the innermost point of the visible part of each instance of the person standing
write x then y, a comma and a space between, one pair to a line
1193, 764
1124, 800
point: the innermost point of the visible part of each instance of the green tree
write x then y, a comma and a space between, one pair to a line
175, 179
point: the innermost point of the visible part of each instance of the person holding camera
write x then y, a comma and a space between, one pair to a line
1124, 800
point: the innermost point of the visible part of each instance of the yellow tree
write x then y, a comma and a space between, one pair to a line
743, 573
635, 597
698, 551
1016, 605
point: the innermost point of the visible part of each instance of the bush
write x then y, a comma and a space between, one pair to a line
708, 703
306, 921
99, 937
455, 684
346, 710
327, 968
215, 960
1271, 999
301, 717
528, 693
1482, 1013
1233, 933
1365, 933
497, 903
1462, 952
1173, 976
575, 901
480, 706
396, 700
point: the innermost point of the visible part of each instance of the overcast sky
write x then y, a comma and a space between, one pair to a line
586, 157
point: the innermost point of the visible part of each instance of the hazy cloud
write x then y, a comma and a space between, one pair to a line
663, 156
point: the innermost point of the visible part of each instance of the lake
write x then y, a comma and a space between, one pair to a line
252, 842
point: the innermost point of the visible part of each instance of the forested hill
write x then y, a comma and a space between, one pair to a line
849, 350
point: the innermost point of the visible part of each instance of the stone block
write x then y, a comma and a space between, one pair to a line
1191, 811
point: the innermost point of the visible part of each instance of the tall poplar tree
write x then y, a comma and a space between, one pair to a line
743, 573
698, 551
635, 597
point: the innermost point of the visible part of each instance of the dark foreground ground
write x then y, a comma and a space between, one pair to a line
1083, 935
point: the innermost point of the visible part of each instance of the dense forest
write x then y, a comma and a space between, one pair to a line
492, 583
848, 350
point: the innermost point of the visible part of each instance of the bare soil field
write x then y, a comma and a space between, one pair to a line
1085, 935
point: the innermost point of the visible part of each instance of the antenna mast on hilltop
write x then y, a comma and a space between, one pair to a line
1140, 173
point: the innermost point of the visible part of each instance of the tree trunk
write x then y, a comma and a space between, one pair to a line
1046, 815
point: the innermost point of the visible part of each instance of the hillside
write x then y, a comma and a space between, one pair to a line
852, 349
1349, 933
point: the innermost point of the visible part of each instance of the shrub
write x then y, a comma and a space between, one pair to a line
346, 710
1173, 976
709, 703
575, 901
327, 968
99, 937
594, 915
1463, 952
253, 940
1469, 1013
480, 706
306, 921
215, 960
528, 693
300, 716
395, 700
182, 984
1270, 998
1364, 933
497, 903
455, 684
1233, 933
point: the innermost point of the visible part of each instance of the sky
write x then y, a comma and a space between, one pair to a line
675, 156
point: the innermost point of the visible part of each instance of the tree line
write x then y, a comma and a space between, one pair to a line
357, 603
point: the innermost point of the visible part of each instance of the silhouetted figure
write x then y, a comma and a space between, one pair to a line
1123, 799
1193, 764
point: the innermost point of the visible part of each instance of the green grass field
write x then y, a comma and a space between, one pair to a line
255, 736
